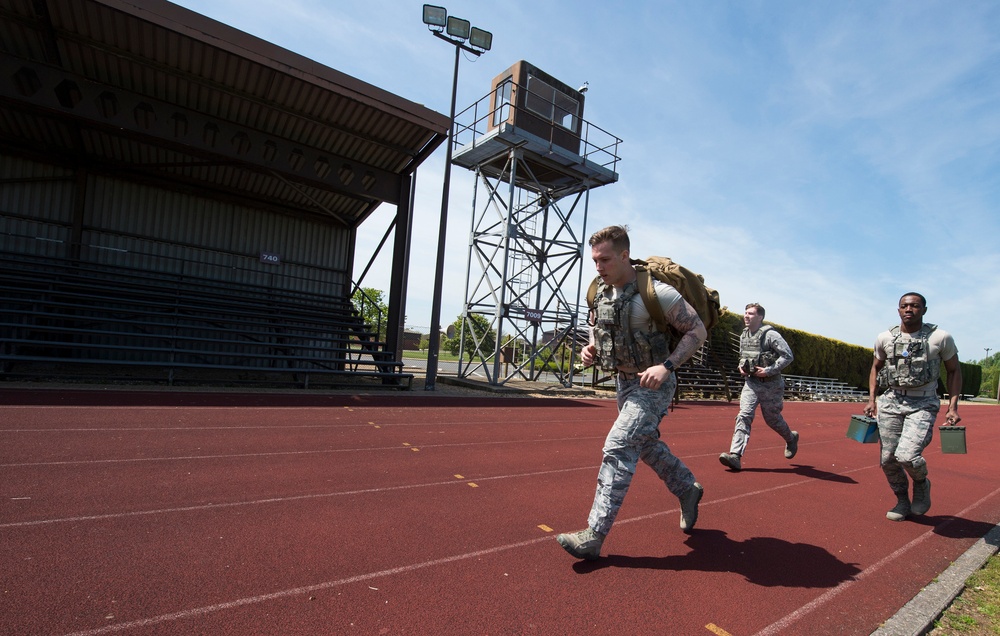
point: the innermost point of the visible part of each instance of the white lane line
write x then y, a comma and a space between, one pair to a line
379, 449
273, 500
128, 460
200, 611
384, 420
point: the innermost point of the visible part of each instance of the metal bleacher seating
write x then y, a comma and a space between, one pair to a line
821, 389
77, 321
801, 387
713, 373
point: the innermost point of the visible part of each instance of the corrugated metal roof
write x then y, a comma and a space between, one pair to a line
171, 95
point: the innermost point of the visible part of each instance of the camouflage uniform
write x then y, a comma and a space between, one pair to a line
909, 404
905, 428
635, 434
768, 392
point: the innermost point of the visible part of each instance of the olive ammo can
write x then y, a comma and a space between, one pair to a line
952, 439
863, 429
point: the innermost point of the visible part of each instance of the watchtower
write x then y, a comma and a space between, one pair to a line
536, 160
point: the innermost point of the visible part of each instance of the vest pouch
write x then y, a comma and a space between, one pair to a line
606, 316
918, 375
604, 329
882, 379
912, 373
648, 349
641, 351
606, 352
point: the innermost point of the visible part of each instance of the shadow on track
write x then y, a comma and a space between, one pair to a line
803, 471
763, 561
954, 527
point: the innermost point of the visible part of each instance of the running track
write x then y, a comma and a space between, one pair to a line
146, 513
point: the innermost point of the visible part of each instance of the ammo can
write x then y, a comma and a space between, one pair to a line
863, 429
952, 439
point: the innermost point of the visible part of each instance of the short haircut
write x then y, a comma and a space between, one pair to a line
617, 234
760, 310
920, 296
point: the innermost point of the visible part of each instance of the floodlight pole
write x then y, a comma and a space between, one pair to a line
434, 340
988, 349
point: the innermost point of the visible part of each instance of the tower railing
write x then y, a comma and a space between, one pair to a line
473, 124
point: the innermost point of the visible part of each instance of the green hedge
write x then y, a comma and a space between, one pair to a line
972, 378
822, 357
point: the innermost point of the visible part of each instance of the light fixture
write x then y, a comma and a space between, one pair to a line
458, 28
435, 16
481, 39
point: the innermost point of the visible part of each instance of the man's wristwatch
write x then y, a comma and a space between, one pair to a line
669, 365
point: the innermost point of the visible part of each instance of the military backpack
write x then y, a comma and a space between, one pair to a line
689, 285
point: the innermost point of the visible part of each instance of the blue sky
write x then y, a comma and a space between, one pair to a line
820, 158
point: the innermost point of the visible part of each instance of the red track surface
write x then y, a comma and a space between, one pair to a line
171, 513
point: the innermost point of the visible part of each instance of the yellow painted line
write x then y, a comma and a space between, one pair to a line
472, 485
545, 527
715, 629
459, 477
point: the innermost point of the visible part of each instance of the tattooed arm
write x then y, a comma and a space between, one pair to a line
685, 319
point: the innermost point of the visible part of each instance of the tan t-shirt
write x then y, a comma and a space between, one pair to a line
639, 319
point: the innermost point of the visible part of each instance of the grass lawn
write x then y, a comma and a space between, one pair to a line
976, 612
422, 355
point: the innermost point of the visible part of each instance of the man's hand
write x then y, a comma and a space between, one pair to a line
587, 355
952, 418
654, 377
871, 409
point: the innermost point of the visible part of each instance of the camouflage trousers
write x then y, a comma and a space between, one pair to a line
770, 396
905, 427
635, 435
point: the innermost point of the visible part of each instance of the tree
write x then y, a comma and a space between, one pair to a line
478, 336
368, 303
991, 373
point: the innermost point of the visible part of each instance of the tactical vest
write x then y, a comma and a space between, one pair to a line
752, 353
617, 345
907, 362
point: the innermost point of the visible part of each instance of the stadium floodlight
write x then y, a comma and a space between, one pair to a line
481, 39
458, 28
435, 16
456, 32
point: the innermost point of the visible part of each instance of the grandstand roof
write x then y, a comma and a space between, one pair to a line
155, 92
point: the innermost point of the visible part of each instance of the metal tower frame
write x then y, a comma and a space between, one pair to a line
526, 246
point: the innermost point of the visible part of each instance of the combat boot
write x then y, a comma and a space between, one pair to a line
689, 506
585, 544
901, 509
732, 460
792, 447
921, 497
